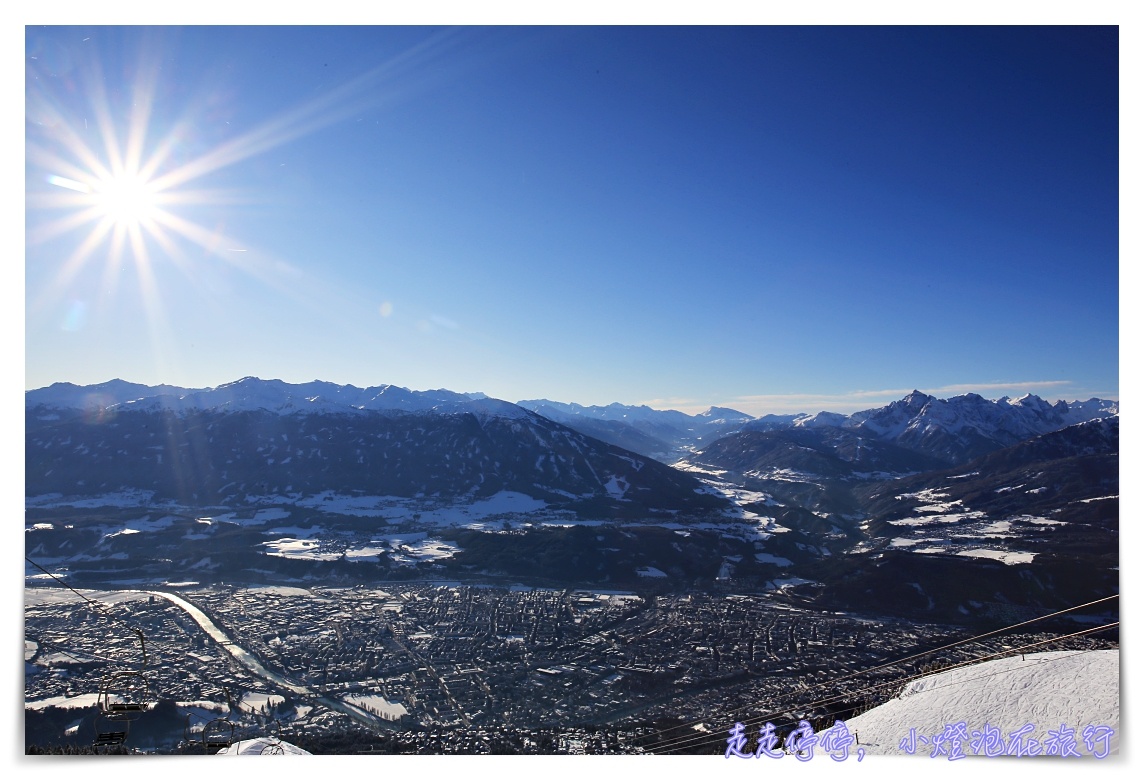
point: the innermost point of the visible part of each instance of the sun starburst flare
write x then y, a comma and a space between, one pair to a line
124, 210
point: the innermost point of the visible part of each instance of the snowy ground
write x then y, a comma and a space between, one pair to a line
263, 746
255, 701
304, 534
939, 526
1076, 689
379, 705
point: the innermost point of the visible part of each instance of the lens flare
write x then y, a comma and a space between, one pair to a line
127, 199
123, 174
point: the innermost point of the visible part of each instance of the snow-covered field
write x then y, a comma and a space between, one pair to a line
263, 746
310, 549
81, 700
1061, 693
1006, 557
503, 511
255, 701
934, 508
123, 499
943, 527
378, 705
412, 548
785, 475
398, 509
310, 533
776, 560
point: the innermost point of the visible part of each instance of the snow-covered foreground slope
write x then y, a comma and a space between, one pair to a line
263, 746
1075, 688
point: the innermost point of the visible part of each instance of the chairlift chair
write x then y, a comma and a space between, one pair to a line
124, 693
123, 696
218, 734
110, 730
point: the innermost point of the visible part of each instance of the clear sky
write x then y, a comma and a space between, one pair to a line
770, 218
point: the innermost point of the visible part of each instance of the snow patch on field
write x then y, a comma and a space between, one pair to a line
784, 475
1090, 500
365, 554
358, 506
34, 597
395, 509
378, 705
280, 590
254, 701
934, 519
289, 547
775, 559
123, 499
789, 582
408, 551
1035, 520
1008, 557
82, 700
998, 528
695, 469
616, 487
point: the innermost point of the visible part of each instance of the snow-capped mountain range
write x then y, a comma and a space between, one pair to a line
968, 425
952, 430
271, 395
268, 437
943, 430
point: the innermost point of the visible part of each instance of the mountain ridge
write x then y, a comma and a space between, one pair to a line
118, 391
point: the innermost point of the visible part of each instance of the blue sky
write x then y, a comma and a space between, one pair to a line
770, 218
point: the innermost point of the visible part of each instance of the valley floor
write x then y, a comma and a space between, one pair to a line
563, 670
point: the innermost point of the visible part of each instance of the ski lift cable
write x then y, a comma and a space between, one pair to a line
106, 611
160, 645
968, 640
69, 587
1038, 662
752, 722
62, 651
700, 740
692, 741
835, 681
989, 634
103, 608
116, 728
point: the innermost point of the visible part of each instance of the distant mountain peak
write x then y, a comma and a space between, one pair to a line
918, 399
724, 413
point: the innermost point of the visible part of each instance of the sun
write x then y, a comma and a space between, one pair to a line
127, 200
119, 174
